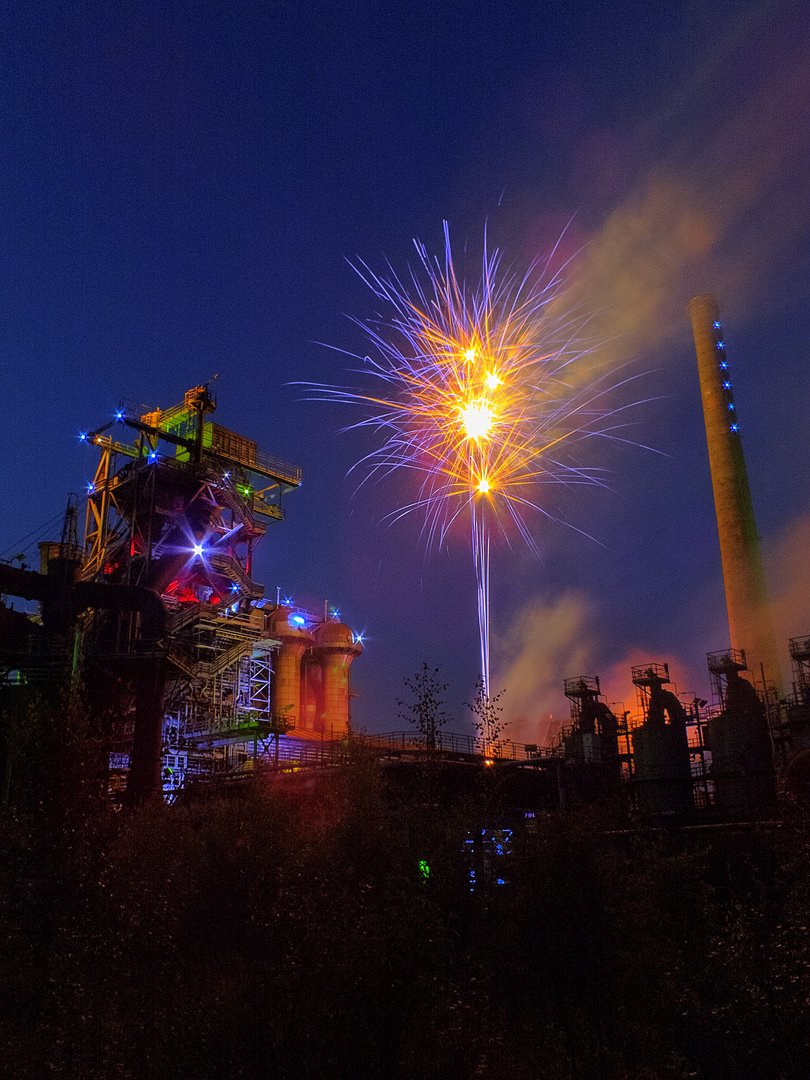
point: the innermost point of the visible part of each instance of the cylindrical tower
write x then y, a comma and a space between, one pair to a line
662, 772
285, 693
335, 648
749, 616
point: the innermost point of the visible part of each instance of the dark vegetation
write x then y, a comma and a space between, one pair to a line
289, 930
424, 706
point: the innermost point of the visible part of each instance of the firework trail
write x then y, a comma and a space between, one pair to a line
477, 393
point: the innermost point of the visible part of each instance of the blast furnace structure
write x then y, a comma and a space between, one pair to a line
220, 674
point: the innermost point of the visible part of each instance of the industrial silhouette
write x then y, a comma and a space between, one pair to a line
207, 679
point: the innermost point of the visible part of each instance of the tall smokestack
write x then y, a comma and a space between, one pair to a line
749, 616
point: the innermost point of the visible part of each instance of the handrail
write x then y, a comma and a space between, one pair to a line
455, 742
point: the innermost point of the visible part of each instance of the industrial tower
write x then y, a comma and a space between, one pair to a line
176, 511
749, 615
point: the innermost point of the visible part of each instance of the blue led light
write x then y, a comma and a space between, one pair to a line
726, 385
720, 344
731, 405
734, 427
82, 436
119, 415
724, 365
297, 620
91, 488
198, 549
717, 326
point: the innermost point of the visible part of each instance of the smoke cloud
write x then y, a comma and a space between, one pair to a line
786, 557
617, 683
716, 214
549, 640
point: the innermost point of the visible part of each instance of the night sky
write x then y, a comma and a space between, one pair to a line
183, 184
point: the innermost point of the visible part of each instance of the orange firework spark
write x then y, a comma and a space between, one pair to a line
479, 397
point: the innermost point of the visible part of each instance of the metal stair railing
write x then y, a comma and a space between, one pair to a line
225, 659
231, 567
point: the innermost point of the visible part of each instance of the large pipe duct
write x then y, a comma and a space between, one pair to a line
749, 616
64, 601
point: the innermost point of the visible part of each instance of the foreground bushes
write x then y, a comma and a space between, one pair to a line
292, 932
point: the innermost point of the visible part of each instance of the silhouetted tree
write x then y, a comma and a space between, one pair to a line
425, 710
489, 723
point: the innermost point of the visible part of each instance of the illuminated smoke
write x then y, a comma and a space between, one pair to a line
552, 638
617, 683
548, 640
786, 557
717, 214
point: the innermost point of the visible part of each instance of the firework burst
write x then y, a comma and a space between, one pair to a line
480, 391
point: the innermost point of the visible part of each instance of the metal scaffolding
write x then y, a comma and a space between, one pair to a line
179, 509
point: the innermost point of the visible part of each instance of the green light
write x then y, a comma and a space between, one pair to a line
424, 869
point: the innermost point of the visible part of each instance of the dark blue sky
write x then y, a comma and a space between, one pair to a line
182, 184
